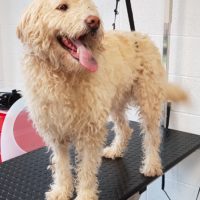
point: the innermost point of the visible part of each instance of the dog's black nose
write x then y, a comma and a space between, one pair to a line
93, 22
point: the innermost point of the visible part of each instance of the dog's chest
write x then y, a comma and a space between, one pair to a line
76, 102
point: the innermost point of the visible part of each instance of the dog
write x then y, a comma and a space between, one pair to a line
76, 75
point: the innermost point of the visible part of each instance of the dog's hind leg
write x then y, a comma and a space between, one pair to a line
62, 186
122, 132
89, 148
149, 98
151, 164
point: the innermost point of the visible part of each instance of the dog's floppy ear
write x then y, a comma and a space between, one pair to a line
22, 27
27, 27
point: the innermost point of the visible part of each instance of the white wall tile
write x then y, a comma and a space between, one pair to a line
11, 11
185, 122
1, 85
12, 69
175, 190
180, 191
154, 191
184, 56
10, 42
172, 174
148, 15
188, 170
186, 18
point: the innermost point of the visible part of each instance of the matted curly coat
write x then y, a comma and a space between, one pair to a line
75, 76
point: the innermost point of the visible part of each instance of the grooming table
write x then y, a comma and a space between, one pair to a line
27, 178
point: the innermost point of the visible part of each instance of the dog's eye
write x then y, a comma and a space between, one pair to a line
62, 7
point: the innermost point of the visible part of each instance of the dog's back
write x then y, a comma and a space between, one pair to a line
133, 58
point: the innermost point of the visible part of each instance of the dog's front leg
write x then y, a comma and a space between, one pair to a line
62, 186
89, 149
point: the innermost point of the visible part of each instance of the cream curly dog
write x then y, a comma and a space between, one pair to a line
75, 76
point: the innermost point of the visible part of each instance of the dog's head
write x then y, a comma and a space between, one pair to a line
67, 33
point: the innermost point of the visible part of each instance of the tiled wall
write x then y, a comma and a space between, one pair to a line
182, 181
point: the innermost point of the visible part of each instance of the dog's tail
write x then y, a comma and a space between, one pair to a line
175, 93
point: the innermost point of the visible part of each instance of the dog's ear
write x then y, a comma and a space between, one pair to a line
27, 27
21, 28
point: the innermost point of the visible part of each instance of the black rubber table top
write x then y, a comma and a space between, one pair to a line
27, 177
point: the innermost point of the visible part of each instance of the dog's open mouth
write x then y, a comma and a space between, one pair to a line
79, 51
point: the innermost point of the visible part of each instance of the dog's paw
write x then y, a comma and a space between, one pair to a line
86, 198
58, 194
87, 195
112, 153
151, 170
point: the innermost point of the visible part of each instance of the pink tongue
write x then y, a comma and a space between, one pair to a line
85, 57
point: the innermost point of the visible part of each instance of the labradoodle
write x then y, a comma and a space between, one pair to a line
76, 75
